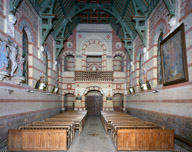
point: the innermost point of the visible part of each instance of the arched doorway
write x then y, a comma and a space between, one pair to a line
93, 103
69, 101
118, 102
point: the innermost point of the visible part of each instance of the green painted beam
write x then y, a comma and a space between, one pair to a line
136, 9
64, 13
45, 27
117, 31
36, 5
141, 29
170, 6
63, 9
125, 8
150, 7
59, 38
112, 1
76, 10
128, 41
46, 20
141, 5
13, 4
45, 5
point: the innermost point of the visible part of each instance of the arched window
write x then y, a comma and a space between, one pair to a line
159, 68
46, 67
118, 63
69, 63
140, 70
25, 56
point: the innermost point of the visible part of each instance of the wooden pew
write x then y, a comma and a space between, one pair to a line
145, 139
78, 123
37, 140
53, 134
130, 133
54, 127
65, 123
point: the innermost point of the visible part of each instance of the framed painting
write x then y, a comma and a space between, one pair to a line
173, 57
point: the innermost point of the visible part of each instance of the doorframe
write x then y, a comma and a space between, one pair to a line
100, 104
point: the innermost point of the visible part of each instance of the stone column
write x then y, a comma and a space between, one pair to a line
83, 103
124, 102
104, 103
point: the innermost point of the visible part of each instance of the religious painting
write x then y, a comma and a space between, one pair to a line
173, 57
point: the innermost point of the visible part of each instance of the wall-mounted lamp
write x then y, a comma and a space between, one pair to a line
144, 50
30, 91
49, 93
172, 21
55, 90
42, 48
155, 91
131, 90
131, 63
145, 86
56, 62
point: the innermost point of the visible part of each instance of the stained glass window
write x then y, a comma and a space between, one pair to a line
46, 67
140, 71
159, 69
25, 56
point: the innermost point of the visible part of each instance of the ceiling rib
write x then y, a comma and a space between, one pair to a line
170, 6
46, 20
64, 12
130, 16
13, 4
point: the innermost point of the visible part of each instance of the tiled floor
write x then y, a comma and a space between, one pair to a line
92, 139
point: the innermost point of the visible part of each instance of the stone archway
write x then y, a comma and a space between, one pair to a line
118, 102
69, 100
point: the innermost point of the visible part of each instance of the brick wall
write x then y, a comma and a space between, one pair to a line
170, 105
22, 104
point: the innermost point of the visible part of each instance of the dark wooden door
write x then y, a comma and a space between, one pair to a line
94, 105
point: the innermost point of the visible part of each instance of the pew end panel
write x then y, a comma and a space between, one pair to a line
145, 139
14, 140
37, 140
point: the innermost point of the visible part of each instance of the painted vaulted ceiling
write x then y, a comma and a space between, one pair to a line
126, 17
